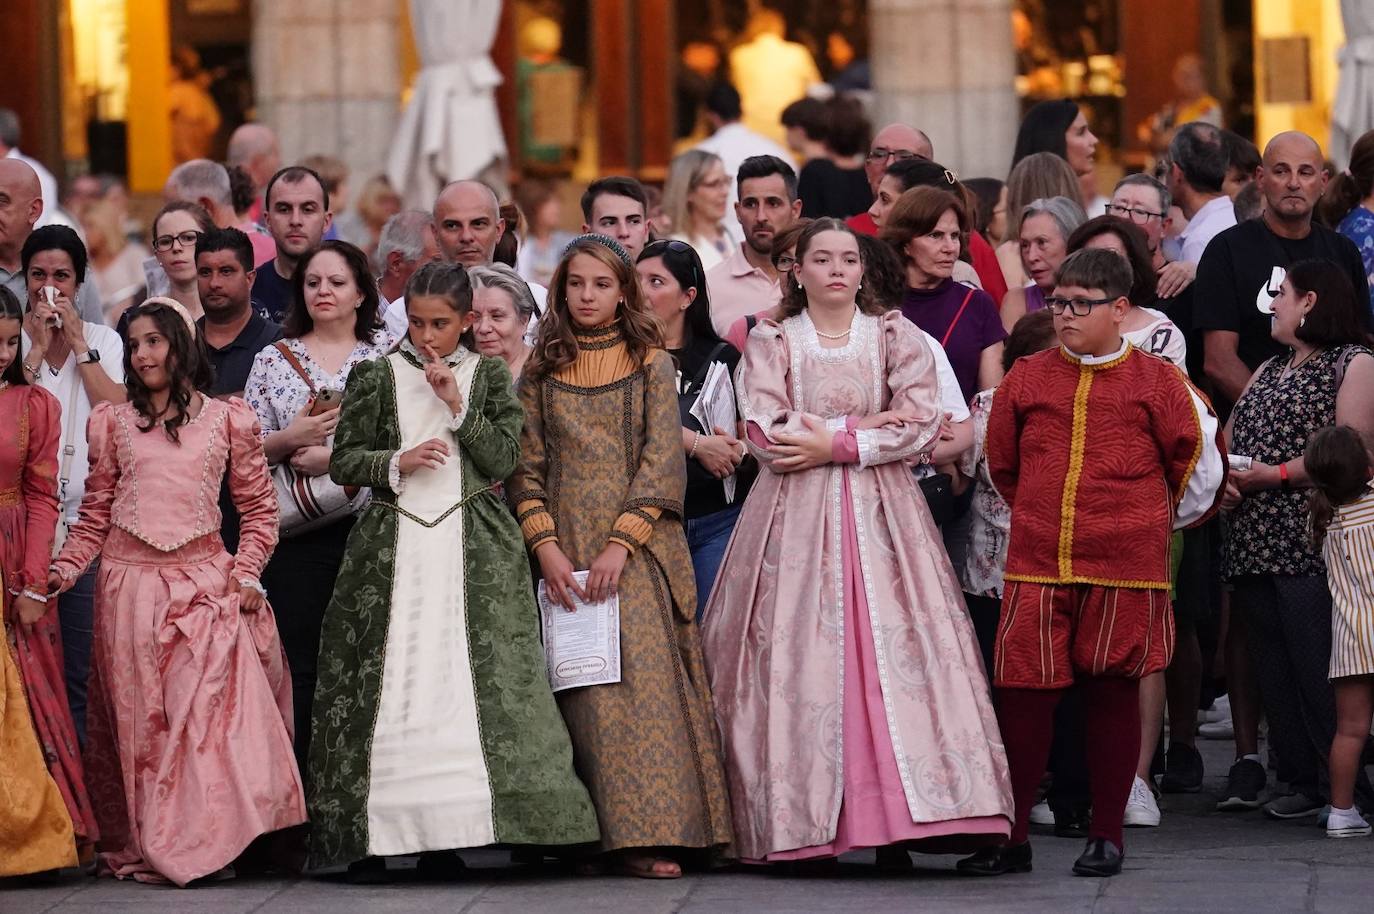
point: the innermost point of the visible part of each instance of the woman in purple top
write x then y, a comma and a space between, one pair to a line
928, 228
1046, 225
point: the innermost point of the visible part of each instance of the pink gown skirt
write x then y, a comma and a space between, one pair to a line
874, 812
189, 753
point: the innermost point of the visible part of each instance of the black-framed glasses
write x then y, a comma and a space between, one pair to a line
1078, 307
1137, 214
883, 154
785, 262
656, 249
185, 239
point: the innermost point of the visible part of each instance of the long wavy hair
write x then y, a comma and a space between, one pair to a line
794, 296
556, 346
188, 369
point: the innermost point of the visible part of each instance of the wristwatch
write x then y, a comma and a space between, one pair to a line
92, 357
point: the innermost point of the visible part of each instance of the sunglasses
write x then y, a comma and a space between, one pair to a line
656, 249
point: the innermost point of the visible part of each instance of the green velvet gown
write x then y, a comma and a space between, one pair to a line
433, 725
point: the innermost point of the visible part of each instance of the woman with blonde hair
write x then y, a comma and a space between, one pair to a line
1039, 176
599, 488
695, 198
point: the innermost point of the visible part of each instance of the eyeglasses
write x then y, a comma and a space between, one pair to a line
1079, 307
1136, 214
715, 184
185, 239
882, 154
785, 262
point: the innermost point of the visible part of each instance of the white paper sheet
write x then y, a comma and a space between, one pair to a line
581, 648
715, 409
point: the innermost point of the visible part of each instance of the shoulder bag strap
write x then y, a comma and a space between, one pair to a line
958, 314
295, 363
69, 448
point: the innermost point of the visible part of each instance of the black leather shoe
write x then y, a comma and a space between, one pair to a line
368, 871
1100, 858
996, 861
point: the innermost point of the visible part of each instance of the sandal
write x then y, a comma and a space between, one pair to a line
644, 866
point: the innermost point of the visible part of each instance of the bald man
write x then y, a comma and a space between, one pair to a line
254, 148
21, 206
893, 143
467, 225
1241, 268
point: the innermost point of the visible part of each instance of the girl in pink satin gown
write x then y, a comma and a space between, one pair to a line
189, 751
848, 686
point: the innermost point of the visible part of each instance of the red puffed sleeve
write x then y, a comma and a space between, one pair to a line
1003, 443
39, 486
250, 486
87, 537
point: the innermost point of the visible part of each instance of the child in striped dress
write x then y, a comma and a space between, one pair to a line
1342, 520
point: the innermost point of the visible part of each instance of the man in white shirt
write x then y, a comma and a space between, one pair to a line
734, 143
1198, 163
406, 243
10, 133
618, 208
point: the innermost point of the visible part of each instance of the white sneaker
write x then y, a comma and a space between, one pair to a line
1221, 729
1041, 814
1342, 824
1141, 809
1219, 711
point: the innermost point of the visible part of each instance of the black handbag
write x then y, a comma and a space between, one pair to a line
938, 489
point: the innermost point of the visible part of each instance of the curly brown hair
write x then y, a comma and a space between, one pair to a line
556, 345
794, 296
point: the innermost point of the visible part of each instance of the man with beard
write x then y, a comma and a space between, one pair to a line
746, 283
298, 215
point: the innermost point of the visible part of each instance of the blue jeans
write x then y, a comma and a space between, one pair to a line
76, 615
707, 538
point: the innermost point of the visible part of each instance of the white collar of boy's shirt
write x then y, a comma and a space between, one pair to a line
1098, 359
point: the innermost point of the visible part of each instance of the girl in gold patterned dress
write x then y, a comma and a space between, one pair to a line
599, 487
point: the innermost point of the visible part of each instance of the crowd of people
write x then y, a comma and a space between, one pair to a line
1013, 461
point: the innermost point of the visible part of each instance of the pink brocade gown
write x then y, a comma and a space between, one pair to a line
848, 686
30, 425
189, 751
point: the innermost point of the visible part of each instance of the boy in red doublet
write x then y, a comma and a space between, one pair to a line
1102, 451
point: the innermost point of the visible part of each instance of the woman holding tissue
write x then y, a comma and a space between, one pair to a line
599, 489
434, 727
850, 694
674, 285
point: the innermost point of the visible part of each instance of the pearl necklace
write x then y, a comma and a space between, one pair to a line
832, 336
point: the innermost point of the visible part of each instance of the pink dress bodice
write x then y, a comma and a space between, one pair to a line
165, 493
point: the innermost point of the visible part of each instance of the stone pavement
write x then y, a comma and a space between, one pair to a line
1198, 860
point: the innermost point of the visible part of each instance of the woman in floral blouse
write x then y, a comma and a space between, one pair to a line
1281, 592
331, 325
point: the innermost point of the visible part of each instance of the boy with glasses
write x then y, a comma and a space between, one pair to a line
1102, 451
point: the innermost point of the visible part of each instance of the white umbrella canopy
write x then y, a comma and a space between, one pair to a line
1353, 112
451, 130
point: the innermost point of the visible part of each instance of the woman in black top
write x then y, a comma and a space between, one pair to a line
675, 285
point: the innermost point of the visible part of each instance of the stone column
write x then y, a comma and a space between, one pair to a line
327, 78
948, 67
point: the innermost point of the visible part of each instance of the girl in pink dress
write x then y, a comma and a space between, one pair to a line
189, 749
848, 687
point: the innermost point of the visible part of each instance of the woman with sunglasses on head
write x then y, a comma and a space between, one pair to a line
670, 276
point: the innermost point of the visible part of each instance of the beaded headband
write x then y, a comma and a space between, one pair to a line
176, 306
611, 243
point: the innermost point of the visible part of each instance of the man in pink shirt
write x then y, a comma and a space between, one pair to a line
746, 282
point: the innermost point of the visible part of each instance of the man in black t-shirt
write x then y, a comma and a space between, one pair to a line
1244, 265
297, 216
